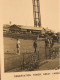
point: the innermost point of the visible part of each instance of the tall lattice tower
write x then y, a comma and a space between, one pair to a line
36, 13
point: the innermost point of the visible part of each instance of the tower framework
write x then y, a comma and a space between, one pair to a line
36, 13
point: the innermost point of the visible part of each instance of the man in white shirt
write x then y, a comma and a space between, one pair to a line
18, 46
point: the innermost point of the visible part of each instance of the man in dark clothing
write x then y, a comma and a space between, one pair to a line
46, 42
35, 45
52, 42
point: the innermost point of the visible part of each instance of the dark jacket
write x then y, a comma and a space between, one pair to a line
35, 44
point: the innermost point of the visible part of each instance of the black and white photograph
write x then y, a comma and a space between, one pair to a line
31, 35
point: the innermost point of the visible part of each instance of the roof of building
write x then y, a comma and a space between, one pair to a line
25, 27
31, 28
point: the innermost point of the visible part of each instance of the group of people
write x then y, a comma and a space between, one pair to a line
18, 46
49, 42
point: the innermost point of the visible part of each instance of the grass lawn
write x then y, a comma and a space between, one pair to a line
12, 60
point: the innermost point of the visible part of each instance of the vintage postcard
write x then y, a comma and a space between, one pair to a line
30, 40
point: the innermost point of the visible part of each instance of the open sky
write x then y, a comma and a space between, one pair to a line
21, 12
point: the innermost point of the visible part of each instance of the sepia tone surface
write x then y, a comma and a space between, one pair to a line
27, 57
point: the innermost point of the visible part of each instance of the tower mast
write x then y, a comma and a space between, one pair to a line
36, 13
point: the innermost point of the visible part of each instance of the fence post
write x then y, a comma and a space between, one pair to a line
50, 52
23, 62
45, 52
38, 55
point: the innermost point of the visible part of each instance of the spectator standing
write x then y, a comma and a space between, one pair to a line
18, 46
46, 45
35, 46
46, 42
52, 42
